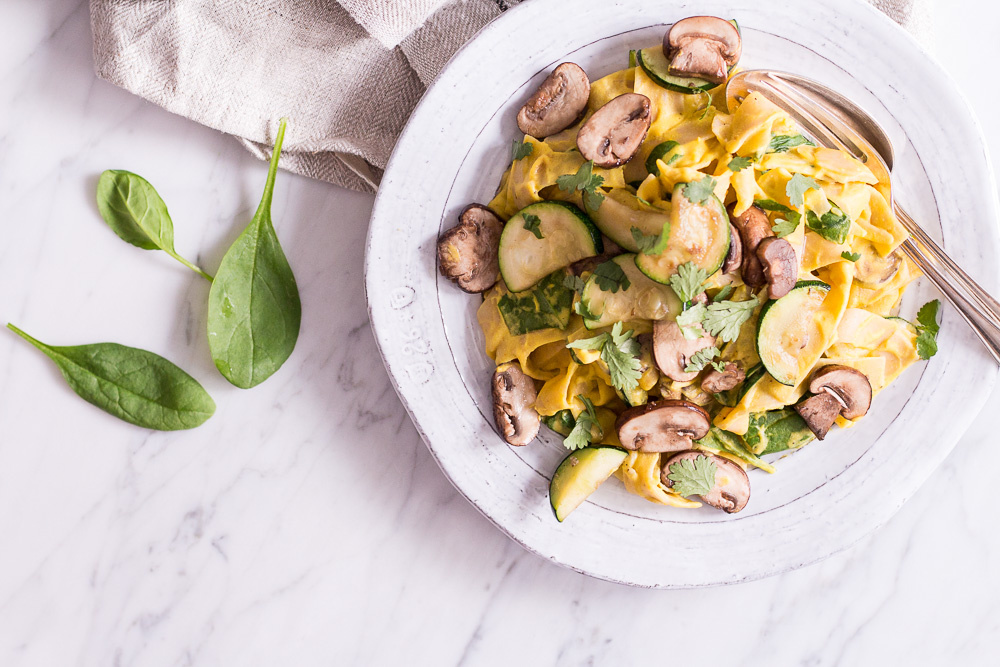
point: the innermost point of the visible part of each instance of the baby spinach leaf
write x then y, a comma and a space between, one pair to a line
136, 213
546, 305
134, 385
254, 311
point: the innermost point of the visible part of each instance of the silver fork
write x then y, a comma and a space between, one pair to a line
834, 121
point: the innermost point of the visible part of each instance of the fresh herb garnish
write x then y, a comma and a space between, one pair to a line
620, 351
136, 213
723, 294
851, 256
739, 163
533, 224
704, 357
927, 329
586, 181
725, 318
797, 187
686, 283
692, 477
652, 244
689, 321
583, 430
610, 277
573, 282
771, 205
833, 225
521, 149
782, 142
698, 192
134, 385
254, 310
784, 226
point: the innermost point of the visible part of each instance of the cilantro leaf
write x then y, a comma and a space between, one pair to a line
698, 192
851, 256
797, 186
621, 356
723, 293
784, 226
533, 224
782, 142
927, 328
595, 343
739, 163
702, 358
610, 277
652, 244
686, 283
583, 430
521, 149
725, 318
771, 205
834, 225
586, 181
572, 282
692, 477
689, 321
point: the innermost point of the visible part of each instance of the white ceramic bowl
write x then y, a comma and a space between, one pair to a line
823, 498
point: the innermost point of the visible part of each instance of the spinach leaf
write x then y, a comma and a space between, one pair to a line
136, 213
546, 305
254, 311
134, 385
834, 225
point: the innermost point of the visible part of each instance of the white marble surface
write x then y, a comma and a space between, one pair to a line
305, 523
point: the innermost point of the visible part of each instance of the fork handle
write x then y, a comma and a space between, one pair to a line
972, 302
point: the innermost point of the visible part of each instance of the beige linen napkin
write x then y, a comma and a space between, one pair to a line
350, 70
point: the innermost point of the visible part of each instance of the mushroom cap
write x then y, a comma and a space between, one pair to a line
734, 258
732, 485
672, 351
662, 426
754, 227
850, 387
559, 102
819, 413
467, 253
715, 382
780, 264
612, 136
704, 47
514, 404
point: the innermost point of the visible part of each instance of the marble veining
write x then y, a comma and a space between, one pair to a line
306, 523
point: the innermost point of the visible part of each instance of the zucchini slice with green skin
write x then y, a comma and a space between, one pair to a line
699, 233
657, 67
643, 300
621, 211
568, 235
561, 422
659, 153
580, 474
787, 335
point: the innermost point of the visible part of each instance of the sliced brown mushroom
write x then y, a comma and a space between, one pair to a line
614, 133
731, 491
838, 390
672, 351
514, 404
715, 382
734, 258
754, 227
780, 264
704, 47
559, 102
467, 253
662, 426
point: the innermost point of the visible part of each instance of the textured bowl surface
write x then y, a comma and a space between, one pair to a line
824, 497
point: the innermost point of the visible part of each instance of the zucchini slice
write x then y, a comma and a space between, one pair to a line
567, 233
580, 474
788, 339
699, 233
621, 211
643, 300
655, 64
659, 153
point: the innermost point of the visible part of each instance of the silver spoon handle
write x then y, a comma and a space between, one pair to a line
972, 302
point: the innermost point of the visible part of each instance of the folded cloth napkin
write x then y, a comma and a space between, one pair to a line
350, 71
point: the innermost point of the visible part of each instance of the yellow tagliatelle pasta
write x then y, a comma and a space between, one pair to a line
827, 206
